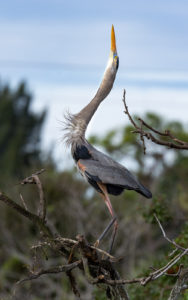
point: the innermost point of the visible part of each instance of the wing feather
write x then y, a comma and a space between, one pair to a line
110, 174
113, 175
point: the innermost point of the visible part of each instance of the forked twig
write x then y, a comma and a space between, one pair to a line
166, 237
174, 142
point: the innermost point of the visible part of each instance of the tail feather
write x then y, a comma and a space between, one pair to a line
144, 191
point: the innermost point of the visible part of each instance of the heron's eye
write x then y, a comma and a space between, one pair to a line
116, 60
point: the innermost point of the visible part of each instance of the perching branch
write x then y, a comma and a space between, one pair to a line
67, 248
173, 143
97, 265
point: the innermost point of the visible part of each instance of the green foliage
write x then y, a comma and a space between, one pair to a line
158, 207
99, 294
186, 295
13, 264
182, 239
20, 130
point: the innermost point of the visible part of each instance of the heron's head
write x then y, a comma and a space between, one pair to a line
110, 71
113, 59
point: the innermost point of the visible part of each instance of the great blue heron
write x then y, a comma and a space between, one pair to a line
101, 171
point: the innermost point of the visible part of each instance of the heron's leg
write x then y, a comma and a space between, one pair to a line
105, 232
113, 236
106, 198
113, 221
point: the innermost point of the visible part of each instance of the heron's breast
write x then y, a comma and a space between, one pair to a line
81, 168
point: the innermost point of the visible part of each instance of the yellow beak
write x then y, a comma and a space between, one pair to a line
113, 40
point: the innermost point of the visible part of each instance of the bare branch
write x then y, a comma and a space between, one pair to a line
30, 216
170, 264
180, 285
34, 179
23, 202
53, 270
42, 202
29, 180
142, 138
127, 111
174, 142
151, 277
167, 238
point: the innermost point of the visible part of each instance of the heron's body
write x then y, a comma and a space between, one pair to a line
101, 171
98, 167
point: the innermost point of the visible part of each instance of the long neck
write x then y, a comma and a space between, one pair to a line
105, 87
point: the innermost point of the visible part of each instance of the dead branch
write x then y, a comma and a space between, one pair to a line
181, 284
166, 237
174, 142
23, 202
97, 265
29, 179
42, 202
53, 270
152, 276
30, 216
34, 179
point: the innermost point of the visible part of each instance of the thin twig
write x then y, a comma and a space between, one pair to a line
127, 111
23, 202
142, 138
30, 178
166, 237
151, 277
42, 202
171, 263
53, 270
30, 216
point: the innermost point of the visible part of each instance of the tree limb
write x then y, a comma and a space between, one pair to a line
80, 254
30, 216
181, 284
174, 142
53, 270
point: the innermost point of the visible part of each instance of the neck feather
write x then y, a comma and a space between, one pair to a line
76, 125
74, 129
105, 87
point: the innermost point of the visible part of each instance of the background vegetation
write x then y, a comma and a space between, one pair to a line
74, 207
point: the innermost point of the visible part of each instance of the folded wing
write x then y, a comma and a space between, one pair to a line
116, 178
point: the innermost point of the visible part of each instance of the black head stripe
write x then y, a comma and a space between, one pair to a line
117, 65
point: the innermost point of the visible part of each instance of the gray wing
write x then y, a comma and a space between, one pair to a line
110, 174
104, 159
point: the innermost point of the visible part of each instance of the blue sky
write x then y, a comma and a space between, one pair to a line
61, 48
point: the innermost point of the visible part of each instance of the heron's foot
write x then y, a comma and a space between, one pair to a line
96, 244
